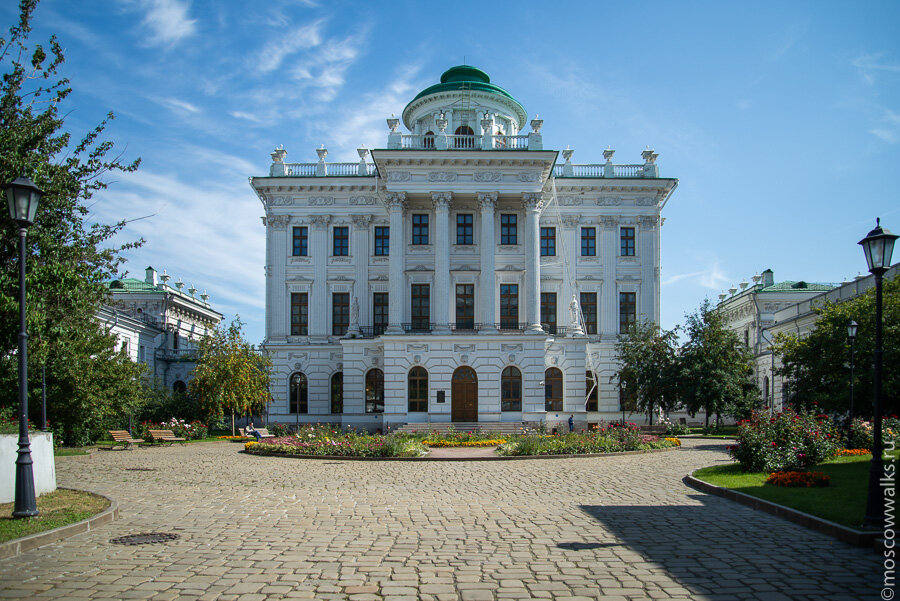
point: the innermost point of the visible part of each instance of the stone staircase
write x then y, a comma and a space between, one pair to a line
442, 427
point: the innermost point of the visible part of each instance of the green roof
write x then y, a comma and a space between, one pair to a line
464, 77
801, 286
131, 285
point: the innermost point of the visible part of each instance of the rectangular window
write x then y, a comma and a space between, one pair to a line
464, 229
465, 306
627, 310
548, 241
382, 241
589, 310
627, 241
341, 242
340, 313
509, 307
420, 229
588, 242
300, 241
508, 234
548, 312
379, 312
421, 307
299, 314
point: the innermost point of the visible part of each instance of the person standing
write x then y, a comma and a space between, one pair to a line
572, 423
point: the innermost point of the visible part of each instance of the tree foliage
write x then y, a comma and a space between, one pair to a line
649, 366
67, 259
231, 377
815, 367
715, 367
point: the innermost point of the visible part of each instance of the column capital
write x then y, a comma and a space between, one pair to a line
320, 222
278, 222
361, 221
532, 201
571, 221
395, 201
487, 200
442, 200
648, 221
609, 221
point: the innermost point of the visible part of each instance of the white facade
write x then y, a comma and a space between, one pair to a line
159, 324
757, 312
466, 224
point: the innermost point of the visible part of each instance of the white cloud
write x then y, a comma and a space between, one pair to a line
287, 44
711, 278
884, 134
245, 116
869, 65
167, 21
176, 104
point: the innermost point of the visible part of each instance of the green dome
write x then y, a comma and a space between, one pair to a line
464, 77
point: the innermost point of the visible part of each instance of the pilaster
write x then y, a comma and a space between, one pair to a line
608, 328
533, 203
441, 292
279, 225
487, 201
318, 303
396, 206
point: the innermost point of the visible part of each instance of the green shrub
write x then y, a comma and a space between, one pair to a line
787, 440
609, 439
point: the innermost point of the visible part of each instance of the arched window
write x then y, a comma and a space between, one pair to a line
553, 390
511, 389
418, 389
766, 389
337, 392
179, 387
428, 140
592, 389
465, 137
375, 391
298, 400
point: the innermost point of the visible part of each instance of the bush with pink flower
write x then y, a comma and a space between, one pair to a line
784, 441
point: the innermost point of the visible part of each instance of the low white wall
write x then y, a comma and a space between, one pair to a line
44, 464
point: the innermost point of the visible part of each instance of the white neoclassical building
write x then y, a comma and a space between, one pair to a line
462, 275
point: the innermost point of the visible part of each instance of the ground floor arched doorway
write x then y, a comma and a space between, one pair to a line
464, 395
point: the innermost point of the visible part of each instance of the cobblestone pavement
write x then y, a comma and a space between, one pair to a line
252, 528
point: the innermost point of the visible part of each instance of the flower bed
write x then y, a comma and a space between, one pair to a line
350, 445
195, 430
609, 439
785, 441
466, 443
845, 452
797, 478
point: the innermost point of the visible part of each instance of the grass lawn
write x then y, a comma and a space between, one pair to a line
66, 452
842, 501
57, 508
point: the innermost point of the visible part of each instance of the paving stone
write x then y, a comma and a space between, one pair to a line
254, 528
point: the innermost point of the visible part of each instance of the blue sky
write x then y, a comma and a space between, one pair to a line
781, 120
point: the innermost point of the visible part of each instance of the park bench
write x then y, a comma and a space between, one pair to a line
654, 429
263, 433
165, 436
122, 436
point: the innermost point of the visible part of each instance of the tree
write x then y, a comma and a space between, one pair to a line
231, 376
815, 367
649, 366
68, 260
715, 367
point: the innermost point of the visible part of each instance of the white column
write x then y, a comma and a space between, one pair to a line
318, 302
649, 233
533, 204
441, 292
396, 205
360, 249
609, 299
487, 283
279, 224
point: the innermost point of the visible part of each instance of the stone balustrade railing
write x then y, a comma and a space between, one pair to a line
607, 170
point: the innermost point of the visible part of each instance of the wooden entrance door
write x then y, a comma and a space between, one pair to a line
464, 395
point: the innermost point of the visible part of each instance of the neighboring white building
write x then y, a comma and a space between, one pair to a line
437, 283
159, 324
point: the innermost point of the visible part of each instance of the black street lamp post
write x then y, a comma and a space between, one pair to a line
22, 196
851, 334
878, 247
